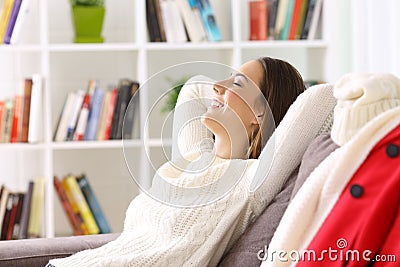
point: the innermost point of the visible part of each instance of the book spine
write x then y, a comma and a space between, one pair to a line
192, 22
2, 109
16, 121
280, 17
7, 216
272, 8
110, 113
258, 20
77, 105
75, 195
11, 21
295, 19
13, 215
26, 110
102, 119
315, 20
288, 20
83, 117
37, 206
94, 115
35, 113
130, 112
23, 11
5, 16
17, 223
94, 204
307, 20
152, 22
209, 21
61, 134
8, 118
75, 220
25, 213
303, 10
3, 205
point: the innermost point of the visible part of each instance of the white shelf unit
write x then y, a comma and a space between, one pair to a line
46, 48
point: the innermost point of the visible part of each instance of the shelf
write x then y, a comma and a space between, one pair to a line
93, 47
163, 46
20, 48
73, 145
21, 146
284, 44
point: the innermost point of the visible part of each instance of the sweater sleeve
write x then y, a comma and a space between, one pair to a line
188, 131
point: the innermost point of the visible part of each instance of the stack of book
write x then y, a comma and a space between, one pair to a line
284, 19
81, 205
99, 115
21, 213
181, 21
21, 115
12, 15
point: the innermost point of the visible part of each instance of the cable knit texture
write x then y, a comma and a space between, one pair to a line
361, 97
318, 195
158, 234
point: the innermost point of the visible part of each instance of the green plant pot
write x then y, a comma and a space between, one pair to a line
88, 23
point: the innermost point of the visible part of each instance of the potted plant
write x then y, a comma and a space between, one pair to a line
88, 17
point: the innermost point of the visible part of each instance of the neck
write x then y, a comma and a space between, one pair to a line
231, 147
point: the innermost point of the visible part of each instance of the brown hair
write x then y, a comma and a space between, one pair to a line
281, 85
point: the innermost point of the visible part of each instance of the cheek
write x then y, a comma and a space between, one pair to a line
239, 106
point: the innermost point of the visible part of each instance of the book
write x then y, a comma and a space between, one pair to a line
26, 110
209, 21
37, 208
5, 16
110, 114
78, 202
25, 212
94, 114
302, 16
13, 214
2, 108
11, 22
7, 216
102, 120
18, 213
62, 128
23, 11
307, 20
73, 117
172, 20
315, 20
16, 126
192, 20
258, 16
288, 20
272, 7
35, 128
152, 22
3, 204
161, 26
131, 110
94, 204
295, 19
82, 120
77, 224
123, 98
280, 17
7, 119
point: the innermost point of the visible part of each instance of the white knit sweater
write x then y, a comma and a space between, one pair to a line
158, 234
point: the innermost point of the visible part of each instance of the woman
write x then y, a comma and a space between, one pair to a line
195, 222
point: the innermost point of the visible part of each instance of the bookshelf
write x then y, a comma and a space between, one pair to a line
46, 48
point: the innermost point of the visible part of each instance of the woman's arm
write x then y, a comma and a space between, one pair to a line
188, 131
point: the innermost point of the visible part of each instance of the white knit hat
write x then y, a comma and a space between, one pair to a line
361, 97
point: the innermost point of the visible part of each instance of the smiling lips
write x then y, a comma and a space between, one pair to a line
216, 104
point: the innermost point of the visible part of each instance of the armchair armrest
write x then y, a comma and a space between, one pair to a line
37, 252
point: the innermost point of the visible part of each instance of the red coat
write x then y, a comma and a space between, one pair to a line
365, 220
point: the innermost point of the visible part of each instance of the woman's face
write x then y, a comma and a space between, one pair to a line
234, 101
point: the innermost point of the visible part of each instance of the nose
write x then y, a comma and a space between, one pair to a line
219, 89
